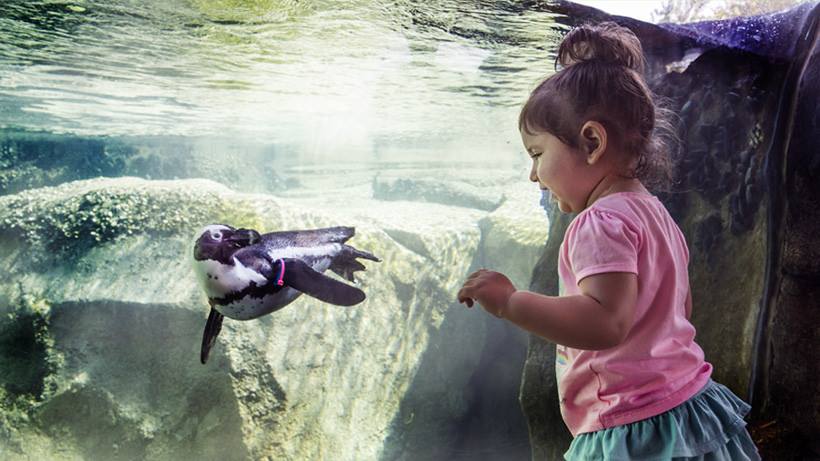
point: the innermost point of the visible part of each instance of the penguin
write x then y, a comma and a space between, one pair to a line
246, 274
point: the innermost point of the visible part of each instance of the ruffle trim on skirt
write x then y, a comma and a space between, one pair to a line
703, 424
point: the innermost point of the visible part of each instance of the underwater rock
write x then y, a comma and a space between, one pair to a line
119, 375
456, 407
515, 233
436, 191
539, 389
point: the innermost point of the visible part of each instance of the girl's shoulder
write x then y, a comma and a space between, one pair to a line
638, 215
609, 219
644, 214
630, 206
616, 199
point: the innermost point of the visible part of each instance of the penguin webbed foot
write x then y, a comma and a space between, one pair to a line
345, 264
347, 269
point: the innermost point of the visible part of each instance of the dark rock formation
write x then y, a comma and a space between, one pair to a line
747, 199
787, 386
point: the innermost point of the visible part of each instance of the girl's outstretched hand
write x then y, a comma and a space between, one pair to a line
490, 289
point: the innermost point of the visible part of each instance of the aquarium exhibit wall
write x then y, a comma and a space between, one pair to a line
126, 127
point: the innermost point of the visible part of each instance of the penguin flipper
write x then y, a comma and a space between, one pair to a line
299, 275
212, 329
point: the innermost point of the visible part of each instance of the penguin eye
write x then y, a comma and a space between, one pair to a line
216, 235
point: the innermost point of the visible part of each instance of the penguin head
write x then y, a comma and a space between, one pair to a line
219, 242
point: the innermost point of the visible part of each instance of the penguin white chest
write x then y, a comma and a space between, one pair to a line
219, 279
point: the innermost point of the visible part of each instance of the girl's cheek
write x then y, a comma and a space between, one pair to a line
543, 173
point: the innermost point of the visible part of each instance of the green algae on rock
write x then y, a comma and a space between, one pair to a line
68, 220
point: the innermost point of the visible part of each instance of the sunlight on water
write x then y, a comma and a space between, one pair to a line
327, 73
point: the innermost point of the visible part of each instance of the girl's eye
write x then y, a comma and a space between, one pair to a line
535, 156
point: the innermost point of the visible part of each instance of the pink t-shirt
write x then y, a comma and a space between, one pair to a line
658, 366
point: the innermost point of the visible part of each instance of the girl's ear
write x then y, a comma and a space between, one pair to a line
593, 141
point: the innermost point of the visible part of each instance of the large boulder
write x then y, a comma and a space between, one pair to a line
120, 320
460, 403
101, 323
436, 191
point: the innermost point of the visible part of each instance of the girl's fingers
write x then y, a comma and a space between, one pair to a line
472, 283
464, 296
467, 301
471, 286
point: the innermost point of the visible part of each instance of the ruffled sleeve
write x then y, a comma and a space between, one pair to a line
601, 241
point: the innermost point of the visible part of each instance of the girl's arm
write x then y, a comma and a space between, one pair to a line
599, 318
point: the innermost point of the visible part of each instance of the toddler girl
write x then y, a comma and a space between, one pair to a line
632, 383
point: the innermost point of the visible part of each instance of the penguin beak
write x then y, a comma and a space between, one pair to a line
202, 251
222, 251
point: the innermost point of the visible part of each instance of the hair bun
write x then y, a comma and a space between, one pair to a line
605, 43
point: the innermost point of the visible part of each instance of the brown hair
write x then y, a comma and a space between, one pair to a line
601, 78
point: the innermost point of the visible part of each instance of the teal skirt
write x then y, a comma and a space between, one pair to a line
708, 426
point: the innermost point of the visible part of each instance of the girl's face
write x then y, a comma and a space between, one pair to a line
560, 169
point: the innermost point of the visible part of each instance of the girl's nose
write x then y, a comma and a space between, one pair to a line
533, 174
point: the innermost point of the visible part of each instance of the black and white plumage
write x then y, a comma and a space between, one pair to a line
247, 275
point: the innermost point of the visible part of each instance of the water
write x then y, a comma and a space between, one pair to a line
351, 73
127, 125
